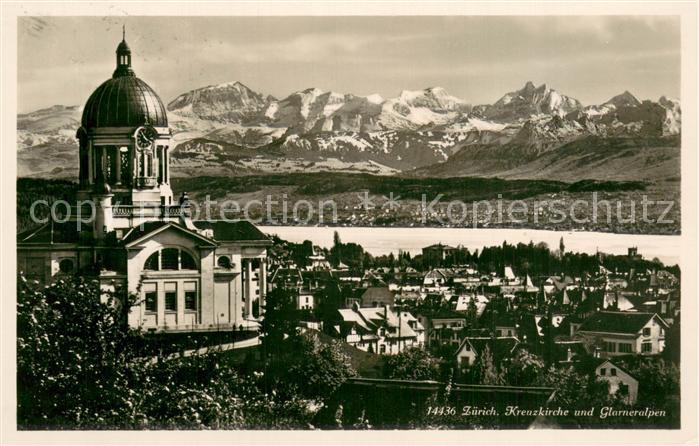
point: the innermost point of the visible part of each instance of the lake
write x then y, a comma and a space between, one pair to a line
381, 240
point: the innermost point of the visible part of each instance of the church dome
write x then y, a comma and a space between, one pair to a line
124, 100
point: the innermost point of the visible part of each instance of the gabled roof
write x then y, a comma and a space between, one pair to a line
626, 322
369, 319
146, 230
53, 232
499, 347
441, 313
233, 231
590, 364
439, 246
286, 274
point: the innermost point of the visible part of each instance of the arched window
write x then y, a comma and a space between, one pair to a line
224, 262
186, 261
170, 259
153, 262
66, 266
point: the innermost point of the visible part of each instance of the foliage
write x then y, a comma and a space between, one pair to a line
280, 321
76, 368
318, 368
485, 371
73, 354
412, 364
525, 369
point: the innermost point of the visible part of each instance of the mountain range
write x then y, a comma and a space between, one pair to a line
531, 132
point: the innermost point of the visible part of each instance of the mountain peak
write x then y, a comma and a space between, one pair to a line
226, 102
375, 98
531, 100
625, 99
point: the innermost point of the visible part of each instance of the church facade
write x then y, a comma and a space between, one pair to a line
128, 231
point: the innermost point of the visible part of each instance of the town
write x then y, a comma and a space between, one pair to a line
602, 316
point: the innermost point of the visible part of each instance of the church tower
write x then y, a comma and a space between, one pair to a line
125, 142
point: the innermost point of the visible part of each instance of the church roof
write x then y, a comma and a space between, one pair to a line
233, 231
124, 100
149, 228
52, 233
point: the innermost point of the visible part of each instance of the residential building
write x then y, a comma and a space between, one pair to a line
619, 380
623, 333
382, 330
472, 347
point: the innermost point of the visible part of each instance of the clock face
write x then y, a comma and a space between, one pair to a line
145, 137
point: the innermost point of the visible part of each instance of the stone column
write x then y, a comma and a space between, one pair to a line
263, 284
118, 164
248, 288
90, 162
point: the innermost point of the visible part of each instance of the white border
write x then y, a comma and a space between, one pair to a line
688, 256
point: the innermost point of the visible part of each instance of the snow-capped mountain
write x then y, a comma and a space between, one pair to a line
54, 124
673, 115
529, 101
230, 102
230, 126
624, 99
314, 110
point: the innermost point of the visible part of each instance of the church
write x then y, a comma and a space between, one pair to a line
188, 275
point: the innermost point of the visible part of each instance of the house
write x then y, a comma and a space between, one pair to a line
463, 302
557, 284
286, 278
472, 347
619, 379
623, 333
190, 275
437, 277
442, 326
317, 261
505, 324
305, 300
373, 279
378, 297
382, 330
436, 255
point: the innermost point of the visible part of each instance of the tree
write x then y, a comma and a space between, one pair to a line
412, 363
280, 321
472, 312
574, 390
78, 368
318, 368
485, 371
74, 354
525, 369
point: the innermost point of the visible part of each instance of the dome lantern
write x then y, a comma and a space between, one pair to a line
123, 57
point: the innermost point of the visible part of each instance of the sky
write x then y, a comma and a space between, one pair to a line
61, 60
